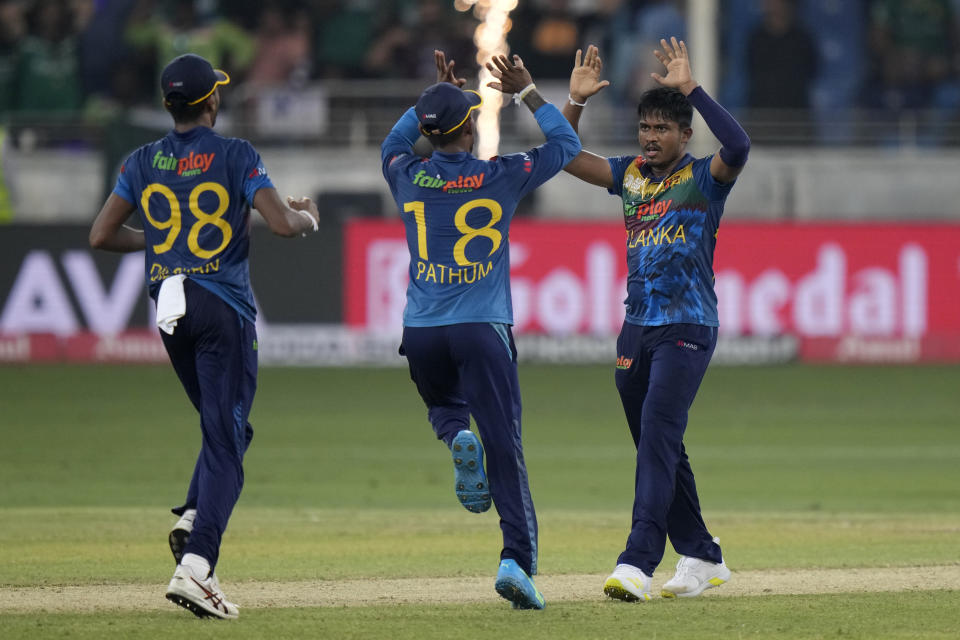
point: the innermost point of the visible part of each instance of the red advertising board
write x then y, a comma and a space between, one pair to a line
821, 282
142, 346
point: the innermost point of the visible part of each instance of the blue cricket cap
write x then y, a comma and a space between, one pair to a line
443, 107
192, 77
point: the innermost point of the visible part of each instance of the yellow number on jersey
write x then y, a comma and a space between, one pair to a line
174, 222
469, 233
204, 218
421, 220
460, 220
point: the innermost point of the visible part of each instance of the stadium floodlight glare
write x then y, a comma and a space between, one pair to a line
490, 37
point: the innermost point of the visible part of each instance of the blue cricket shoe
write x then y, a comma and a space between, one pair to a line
470, 480
515, 585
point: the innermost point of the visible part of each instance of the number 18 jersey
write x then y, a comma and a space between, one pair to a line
193, 191
456, 210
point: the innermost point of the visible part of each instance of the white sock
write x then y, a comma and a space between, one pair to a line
198, 565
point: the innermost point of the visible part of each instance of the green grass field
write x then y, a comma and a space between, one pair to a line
800, 470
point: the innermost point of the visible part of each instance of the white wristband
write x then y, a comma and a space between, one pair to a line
309, 217
517, 97
574, 102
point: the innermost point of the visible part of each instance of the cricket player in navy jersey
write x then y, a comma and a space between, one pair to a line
457, 323
672, 204
193, 190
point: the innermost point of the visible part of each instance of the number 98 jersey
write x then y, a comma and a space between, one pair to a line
193, 192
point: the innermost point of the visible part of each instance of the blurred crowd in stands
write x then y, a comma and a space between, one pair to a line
807, 57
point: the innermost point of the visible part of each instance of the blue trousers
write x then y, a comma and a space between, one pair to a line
213, 351
471, 369
659, 370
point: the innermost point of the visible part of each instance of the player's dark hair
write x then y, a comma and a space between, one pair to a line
668, 103
443, 139
182, 112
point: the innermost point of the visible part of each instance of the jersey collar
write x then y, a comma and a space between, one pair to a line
459, 156
646, 172
191, 134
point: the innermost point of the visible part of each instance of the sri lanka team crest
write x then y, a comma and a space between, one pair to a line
639, 188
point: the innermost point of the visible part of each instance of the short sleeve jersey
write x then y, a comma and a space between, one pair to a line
193, 192
671, 229
456, 210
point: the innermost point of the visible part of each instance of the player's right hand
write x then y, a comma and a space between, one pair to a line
512, 75
585, 77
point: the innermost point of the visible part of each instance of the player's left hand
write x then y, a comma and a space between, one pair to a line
304, 204
445, 70
512, 75
674, 57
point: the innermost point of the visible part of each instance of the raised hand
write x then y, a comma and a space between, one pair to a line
513, 76
585, 77
445, 70
674, 57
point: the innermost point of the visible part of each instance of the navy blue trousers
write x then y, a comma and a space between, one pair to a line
471, 369
213, 351
659, 370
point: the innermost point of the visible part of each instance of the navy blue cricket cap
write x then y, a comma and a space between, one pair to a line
443, 107
192, 77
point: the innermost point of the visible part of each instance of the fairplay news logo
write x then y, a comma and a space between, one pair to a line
193, 165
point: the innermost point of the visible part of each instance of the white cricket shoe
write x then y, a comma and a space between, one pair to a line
693, 577
203, 598
628, 583
180, 534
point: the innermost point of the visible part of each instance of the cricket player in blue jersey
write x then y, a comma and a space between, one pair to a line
457, 323
193, 190
672, 204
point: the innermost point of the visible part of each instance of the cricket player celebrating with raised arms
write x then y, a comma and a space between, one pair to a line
457, 323
192, 190
672, 203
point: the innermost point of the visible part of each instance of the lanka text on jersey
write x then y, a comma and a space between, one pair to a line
671, 229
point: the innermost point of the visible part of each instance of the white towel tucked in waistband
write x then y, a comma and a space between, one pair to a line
171, 303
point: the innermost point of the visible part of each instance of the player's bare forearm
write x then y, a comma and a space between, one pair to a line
123, 240
572, 113
585, 82
109, 233
591, 168
295, 218
587, 166
533, 100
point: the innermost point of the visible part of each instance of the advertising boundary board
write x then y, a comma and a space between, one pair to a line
846, 293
